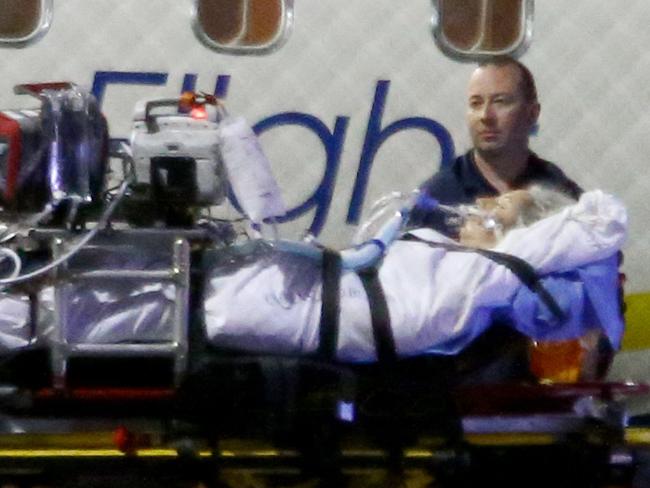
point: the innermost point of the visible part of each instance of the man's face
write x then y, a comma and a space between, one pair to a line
498, 115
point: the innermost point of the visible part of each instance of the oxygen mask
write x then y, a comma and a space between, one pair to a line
456, 216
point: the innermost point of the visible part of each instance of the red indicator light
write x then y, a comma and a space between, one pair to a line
199, 113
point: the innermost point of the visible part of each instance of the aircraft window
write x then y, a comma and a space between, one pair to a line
474, 29
23, 21
243, 26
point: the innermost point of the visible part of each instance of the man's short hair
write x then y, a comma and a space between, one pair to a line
527, 81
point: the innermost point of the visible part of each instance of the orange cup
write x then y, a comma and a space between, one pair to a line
557, 361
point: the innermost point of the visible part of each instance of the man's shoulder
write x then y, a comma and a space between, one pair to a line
545, 165
448, 185
445, 186
442, 179
548, 173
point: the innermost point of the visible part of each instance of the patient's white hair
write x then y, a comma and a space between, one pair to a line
545, 202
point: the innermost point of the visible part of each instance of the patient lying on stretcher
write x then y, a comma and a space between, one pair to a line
438, 299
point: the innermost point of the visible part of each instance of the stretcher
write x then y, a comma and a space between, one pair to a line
126, 326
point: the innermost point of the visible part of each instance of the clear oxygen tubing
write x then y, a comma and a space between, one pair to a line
457, 214
365, 254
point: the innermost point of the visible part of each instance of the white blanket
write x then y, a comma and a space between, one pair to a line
272, 304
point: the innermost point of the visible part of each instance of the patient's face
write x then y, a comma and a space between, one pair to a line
502, 211
510, 206
475, 233
506, 208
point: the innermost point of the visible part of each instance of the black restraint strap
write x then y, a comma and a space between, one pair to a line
524, 271
381, 329
330, 308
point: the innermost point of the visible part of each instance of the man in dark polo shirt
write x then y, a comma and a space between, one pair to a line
502, 111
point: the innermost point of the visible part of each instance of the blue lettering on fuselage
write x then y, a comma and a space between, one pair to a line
375, 137
333, 139
333, 144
